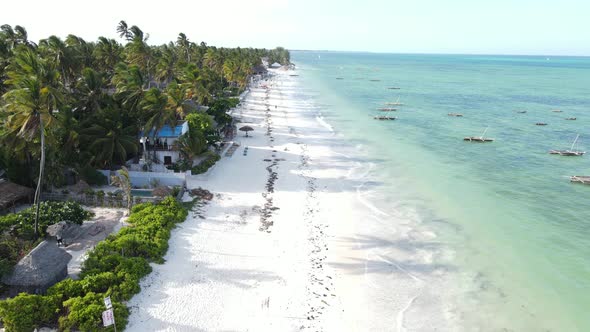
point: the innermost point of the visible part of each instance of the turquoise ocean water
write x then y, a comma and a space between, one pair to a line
519, 230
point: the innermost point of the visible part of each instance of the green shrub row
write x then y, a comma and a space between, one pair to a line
211, 159
113, 268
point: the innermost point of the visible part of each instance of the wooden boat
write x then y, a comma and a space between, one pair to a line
540, 124
521, 112
384, 117
479, 139
571, 118
556, 111
339, 78
571, 152
583, 179
375, 80
458, 115
567, 153
393, 88
293, 75
387, 109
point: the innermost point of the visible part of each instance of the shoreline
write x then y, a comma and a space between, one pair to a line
287, 242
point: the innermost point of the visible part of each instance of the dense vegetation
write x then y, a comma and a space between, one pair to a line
17, 233
91, 99
113, 269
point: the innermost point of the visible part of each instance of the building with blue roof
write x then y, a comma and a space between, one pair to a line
159, 146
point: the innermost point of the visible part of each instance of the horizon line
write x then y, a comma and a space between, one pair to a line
435, 53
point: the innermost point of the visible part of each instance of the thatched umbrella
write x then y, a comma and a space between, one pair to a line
246, 129
56, 229
40, 269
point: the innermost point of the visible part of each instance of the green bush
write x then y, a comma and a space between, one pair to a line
92, 176
66, 289
204, 166
49, 213
26, 312
8, 221
85, 313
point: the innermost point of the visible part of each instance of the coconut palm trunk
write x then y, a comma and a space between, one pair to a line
40, 182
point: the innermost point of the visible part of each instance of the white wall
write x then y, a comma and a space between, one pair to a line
141, 179
161, 154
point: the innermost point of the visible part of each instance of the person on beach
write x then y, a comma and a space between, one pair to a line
60, 241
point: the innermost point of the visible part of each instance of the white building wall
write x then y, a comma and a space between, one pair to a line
142, 179
171, 153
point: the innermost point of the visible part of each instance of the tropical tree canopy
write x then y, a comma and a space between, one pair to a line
95, 97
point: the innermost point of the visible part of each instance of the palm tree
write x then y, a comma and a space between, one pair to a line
123, 181
16, 36
176, 99
107, 54
159, 114
193, 84
167, 65
191, 146
129, 82
89, 93
58, 53
108, 140
139, 53
212, 59
9, 36
184, 44
82, 52
33, 97
68, 137
230, 70
123, 31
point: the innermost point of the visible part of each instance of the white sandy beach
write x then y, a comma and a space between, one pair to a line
290, 241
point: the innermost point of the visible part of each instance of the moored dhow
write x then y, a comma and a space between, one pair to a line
384, 117
479, 139
571, 152
583, 179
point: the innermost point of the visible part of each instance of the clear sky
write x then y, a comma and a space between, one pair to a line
408, 26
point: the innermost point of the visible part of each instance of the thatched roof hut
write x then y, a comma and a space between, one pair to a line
259, 70
44, 266
12, 194
80, 187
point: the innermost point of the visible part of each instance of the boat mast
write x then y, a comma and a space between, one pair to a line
574, 143
484, 132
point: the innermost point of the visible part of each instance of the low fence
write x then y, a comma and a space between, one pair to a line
98, 201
